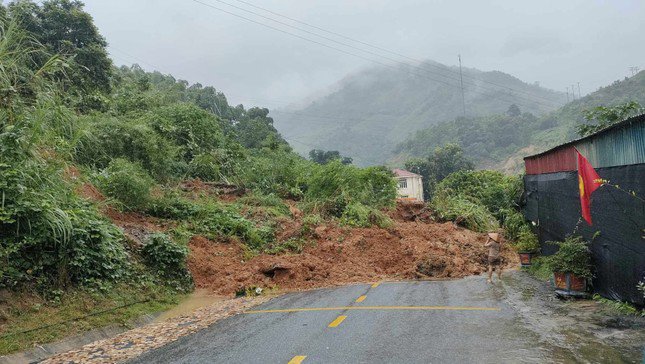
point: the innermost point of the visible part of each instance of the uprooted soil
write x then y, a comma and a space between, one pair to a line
415, 247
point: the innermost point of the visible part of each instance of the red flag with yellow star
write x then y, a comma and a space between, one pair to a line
588, 181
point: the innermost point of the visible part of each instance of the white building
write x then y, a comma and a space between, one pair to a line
409, 186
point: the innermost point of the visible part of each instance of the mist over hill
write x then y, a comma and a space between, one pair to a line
500, 141
370, 112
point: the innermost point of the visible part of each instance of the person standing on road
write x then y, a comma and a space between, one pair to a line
494, 245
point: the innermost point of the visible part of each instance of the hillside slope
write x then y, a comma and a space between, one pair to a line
370, 112
501, 141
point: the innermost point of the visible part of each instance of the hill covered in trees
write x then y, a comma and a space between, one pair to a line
501, 140
107, 174
372, 111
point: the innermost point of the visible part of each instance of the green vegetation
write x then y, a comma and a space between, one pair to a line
480, 200
167, 259
374, 110
127, 182
490, 139
438, 165
30, 318
540, 268
70, 121
485, 201
484, 139
527, 242
324, 157
619, 307
573, 256
607, 116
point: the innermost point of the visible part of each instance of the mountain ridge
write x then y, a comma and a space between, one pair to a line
373, 110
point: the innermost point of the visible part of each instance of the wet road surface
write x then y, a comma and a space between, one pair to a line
463, 320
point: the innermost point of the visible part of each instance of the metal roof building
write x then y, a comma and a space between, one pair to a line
618, 145
617, 235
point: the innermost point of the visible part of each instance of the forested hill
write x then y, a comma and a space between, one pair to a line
501, 140
370, 112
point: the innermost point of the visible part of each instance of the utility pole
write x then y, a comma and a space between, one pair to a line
574, 92
461, 81
567, 93
579, 94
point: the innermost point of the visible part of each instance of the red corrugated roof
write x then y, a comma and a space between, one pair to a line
404, 173
559, 160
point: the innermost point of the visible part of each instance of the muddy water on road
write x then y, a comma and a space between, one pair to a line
571, 331
199, 298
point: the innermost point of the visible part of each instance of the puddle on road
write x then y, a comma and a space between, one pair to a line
573, 331
199, 298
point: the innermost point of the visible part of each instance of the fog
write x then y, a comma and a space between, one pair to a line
557, 43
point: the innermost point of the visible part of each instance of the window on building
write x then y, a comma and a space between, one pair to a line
403, 183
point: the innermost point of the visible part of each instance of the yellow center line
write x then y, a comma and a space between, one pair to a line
297, 359
361, 299
374, 285
337, 321
405, 308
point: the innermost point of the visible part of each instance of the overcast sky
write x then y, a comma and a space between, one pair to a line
555, 42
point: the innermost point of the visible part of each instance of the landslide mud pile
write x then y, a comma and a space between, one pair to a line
414, 247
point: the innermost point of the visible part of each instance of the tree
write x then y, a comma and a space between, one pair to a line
323, 157
64, 28
254, 129
438, 165
513, 111
607, 116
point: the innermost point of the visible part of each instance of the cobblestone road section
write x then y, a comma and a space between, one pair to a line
133, 343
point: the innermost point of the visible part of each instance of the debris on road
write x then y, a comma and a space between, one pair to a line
137, 341
415, 247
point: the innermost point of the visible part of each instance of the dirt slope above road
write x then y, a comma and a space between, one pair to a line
407, 250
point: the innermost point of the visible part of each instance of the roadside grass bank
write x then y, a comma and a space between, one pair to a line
29, 319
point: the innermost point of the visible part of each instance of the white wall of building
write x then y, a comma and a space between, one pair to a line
410, 187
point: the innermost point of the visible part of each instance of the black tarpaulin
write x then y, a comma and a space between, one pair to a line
553, 203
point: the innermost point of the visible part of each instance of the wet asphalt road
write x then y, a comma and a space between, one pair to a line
464, 321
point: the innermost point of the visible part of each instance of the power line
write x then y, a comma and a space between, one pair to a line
374, 54
274, 111
349, 46
378, 48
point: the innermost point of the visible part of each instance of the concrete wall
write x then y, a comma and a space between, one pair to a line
413, 188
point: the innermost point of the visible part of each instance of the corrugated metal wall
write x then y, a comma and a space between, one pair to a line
559, 160
552, 202
622, 145
617, 147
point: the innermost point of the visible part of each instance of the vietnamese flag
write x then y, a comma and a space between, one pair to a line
588, 181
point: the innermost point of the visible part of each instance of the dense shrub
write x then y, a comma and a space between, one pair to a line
205, 167
167, 259
95, 249
172, 206
128, 183
333, 186
471, 195
194, 130
573, 256
494, 190
464, 211
359, 215
526, 241
105, 139
215, 221
514, 223
275, 171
